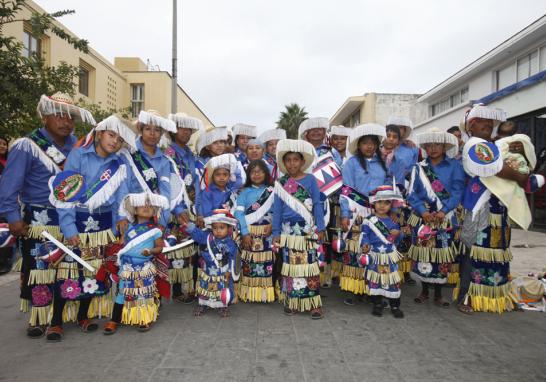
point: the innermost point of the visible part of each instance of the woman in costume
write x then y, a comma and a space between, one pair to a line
435, 191
298, 228
362, 173
253, 210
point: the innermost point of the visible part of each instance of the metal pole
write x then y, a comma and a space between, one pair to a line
174, 84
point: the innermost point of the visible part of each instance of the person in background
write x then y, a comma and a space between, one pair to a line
4, 143
456, 131
242, 134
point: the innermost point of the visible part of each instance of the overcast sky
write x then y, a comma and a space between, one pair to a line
243, 60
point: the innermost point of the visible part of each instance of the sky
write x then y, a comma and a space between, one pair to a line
243, 60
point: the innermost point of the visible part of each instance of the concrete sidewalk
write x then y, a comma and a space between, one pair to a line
259, 343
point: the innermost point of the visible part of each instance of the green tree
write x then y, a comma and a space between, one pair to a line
291, 118
25, 79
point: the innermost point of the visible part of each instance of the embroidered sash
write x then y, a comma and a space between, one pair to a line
47, 147
257, 210
435, 182
146, 172
296, 197
183, 169
136, 235
378, 228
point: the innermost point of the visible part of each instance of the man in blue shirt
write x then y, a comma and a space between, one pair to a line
32, 161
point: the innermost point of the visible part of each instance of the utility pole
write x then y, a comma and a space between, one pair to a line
174, 84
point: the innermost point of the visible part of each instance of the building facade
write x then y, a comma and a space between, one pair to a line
126, 83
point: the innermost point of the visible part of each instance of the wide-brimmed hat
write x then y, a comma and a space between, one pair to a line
484, 112
386, 192
211, 135
363, 130
227, 161
129, 204
401, 121
221, 216
298, 146
152, 117
184, 121
435, 135
243, 129
62, 104
272, 134
313, 123
340, 131
118, 125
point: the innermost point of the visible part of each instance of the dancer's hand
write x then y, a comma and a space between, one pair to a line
247, 242
18, 228
74, 241
320, 236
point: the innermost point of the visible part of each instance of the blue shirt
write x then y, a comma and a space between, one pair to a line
406, 157
214, 198
86, 161
374, 241
26, 177
189, 160
283, 213
450, 172
246, 198
355, 177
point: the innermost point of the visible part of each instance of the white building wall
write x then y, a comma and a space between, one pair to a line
398, 104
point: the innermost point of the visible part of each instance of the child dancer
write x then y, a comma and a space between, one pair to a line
215, 287
270, 138
380, 257
254, 207
298, 228
219, 192
136, 302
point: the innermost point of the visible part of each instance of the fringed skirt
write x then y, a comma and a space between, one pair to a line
137, 291
210, 284
256, 283
335, 258
181, 267
382, 274
432, 258
300, 285
352, 274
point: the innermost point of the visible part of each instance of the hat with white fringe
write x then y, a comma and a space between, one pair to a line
386, 192
243, 129
117, 125
210, 136
363, 130
129, 204
401, 121
184, 121
306, 149
272, 134
221, 216
341, 131
484, 112
62, 104
312, 123
152, 117
435, 135
227, 161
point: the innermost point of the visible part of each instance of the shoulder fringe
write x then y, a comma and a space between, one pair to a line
181, 195
108, 189
27, 145
136, 241
257, 215
155, 120
293, 203
428, 187
135, 171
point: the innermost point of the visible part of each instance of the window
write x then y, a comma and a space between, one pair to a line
137, 99
543, 58
505, 77
355, 119
83, 86
31, 45
453, 100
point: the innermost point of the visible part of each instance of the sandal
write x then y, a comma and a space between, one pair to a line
441, 303
87, 326
421, 299
144, 328
54, 333
189, 299
199, 311
349, 301
110, 328
316, 314
465, 309
288, 311
224, 312
35, 331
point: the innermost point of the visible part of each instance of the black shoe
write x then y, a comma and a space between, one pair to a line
408, 280
397, 313
377, 310
349, 301
35, 331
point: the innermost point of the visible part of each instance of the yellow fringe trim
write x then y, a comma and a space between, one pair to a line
149, 290
215, 279
431, 255
352, 280
493, 299
298, 243
97, 263
352, 272
453, 275
303, 304
326, 275
404, 266
336, 268
491, 255
139, 312
256, 294
257, 257
135, 275
495, 220
181, 275
258, 230
67, 271
35, 231
40, 315
456, 290
25, 305
385, 258
300, 270
70, 311
182, 253
352, 245
210, 294
101, 306
383, 278
41, 276
414, 220
18, 264
256, 281
97, 239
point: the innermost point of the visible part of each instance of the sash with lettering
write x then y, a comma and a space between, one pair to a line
257, 210
296, 197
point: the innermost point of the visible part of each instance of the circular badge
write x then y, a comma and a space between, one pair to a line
68, 186
484, 153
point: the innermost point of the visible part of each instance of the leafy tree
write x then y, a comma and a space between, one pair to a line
291, 118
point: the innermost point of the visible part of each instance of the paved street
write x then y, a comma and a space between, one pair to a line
259, 343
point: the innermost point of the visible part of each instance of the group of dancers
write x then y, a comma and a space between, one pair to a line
132, 215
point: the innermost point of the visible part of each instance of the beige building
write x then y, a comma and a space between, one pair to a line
377, 107
126, 83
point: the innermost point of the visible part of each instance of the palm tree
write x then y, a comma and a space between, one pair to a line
291, 118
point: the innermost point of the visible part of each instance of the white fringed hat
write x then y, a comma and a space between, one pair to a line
211, 135
401, 121
386, 192
313, 123
298, 146
435, 135
481, 158
117, 125
62, 104
152, 117
243, 129
227, 161
184, 121
272, 134
363, 130
221, 216
484, 112
129, 204
340, 130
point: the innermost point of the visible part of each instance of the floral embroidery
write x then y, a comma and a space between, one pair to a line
444, 268
308, 203
90, 286
41, 295
177, 264
437, 186
313, 282
91, 224
424, 268
55, 154
475, 188
149, 174
476, 277
299, 283
40, 218
70, 289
